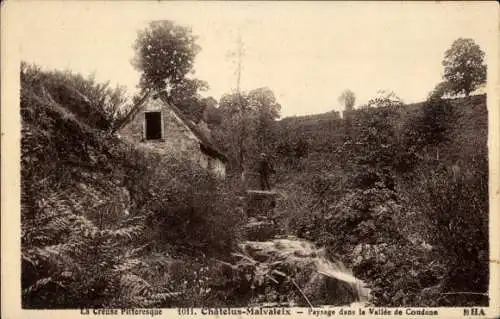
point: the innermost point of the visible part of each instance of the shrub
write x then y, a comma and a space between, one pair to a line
456, 206
189, 208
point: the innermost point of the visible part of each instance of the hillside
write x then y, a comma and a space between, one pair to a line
330, 126
409, 183
95, 210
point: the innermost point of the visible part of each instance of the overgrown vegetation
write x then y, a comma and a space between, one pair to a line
398, 193
105, 224
399, 197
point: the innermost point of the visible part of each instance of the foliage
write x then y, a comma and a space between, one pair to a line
185, 96
100, 103
347, 98
381, 200
165, 54
464, 67
248, 124
106, 224
211, 114
373, 141
291, 148
385, 99
233, 135
77, 244
201, 213
267, 109
441, 90
433, 125
455, 202
67, 261
362, 228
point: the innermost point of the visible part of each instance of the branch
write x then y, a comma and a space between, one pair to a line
301, 292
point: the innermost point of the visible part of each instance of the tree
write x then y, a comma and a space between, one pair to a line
266, 110
464, 67
185, 96
164, 53
347, 98
437, 121
248, 124
211, 114
385, 99
232, 134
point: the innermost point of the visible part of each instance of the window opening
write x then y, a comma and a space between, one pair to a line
153, 125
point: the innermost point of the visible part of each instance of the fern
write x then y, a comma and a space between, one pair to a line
66, 249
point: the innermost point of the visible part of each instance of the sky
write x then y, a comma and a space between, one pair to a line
306, 53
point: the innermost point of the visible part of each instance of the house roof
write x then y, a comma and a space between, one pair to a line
206, 145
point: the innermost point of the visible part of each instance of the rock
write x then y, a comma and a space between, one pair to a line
307, 271
259, 229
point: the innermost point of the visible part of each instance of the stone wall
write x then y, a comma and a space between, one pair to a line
177, 138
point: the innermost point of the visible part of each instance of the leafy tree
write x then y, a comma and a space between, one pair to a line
372, 145
165, 54
347, 98
430, 128
248, 124
291, 147
266, 111
437, 120
373, 140
464, 67
232, 135
185, 96
211, 114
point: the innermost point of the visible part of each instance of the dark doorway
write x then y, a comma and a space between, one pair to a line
153, 125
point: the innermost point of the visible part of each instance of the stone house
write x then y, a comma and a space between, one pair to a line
162, 126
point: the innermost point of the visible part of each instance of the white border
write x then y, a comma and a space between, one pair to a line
11, 20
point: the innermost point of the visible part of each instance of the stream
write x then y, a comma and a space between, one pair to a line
291, 266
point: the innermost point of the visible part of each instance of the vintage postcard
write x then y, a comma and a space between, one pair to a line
250, 159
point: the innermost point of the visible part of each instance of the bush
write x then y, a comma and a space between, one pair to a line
94, 103
456, 205
189, 208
